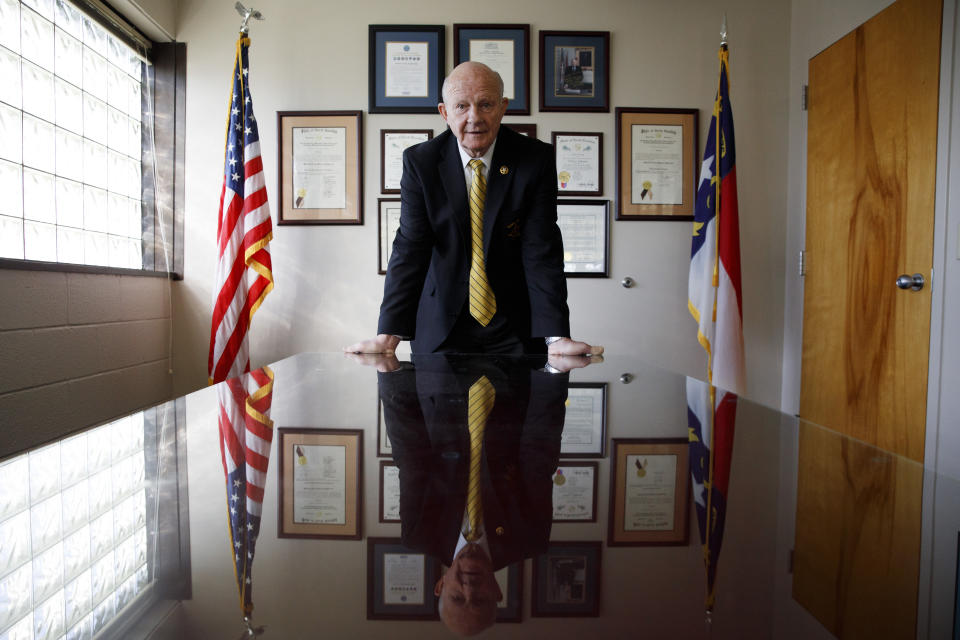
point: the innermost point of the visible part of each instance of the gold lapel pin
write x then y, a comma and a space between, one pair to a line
504, 171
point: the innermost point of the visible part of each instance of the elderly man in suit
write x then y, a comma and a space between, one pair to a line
477, 263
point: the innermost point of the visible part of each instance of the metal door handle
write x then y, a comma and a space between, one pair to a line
914, 282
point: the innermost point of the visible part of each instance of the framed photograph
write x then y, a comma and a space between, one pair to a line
585, 425
649, 492
505, 48
566, 581
320, 483
400, 582
575, 71
388, 221
575, 492
393, 142
579, 163
389, 491
584, 226
321, 167
384, 450
656, 163
510, 579
406, 67
528, 129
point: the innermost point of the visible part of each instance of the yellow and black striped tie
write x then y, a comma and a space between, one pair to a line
479, 404
482, 303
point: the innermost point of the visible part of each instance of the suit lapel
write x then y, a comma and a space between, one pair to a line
498, 184
452, 179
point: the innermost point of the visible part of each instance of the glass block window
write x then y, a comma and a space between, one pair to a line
73, 537
70, 143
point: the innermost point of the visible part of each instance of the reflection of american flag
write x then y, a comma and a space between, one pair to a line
246, 433
244, 230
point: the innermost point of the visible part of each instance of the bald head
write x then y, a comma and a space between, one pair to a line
472, 71
473, 105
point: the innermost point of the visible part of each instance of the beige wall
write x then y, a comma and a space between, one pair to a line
308, 55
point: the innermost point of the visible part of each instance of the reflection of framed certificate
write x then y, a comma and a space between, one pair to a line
579, 163
583, 225
384, 450
528, 129
321, 177
566, 581
649, 492
656, 163
399, 582
388, 221
505, 48
389, 491
393, 142
406, 67
575, 71
585, 425
320, 476
575, 492
510, 580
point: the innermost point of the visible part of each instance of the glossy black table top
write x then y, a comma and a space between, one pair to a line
595, 484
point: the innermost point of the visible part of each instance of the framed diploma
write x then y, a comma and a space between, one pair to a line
583, 225
389, 491
566, 581
406, 67
649, 492
393, 142
400, 582
510, 580
388, 221
528, 129
320, 483
656, 163
321, 168
579, 163
505, 48
384, 450
575, 71
585, 424
575, 492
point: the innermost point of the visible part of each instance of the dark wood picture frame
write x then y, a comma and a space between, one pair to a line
528, 129
656, 533
561, 188
628, 208
384, 133
564, 87
434, 36
290, 198
294, 438
377, 607
388, 219
512, 609
559, 589
595, 467
519, 35
583, 268
594, 448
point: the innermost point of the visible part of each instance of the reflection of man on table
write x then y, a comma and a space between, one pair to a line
477, 263
433, 412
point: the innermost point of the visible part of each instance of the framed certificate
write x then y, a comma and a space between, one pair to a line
575, 492
321, 168
585, 425
393, 142
656, 163
510, 580
566, 581
320, 483
579, 163
528, 129
406, 67
649, 492
388, 221
400, 582
384, 450
575, 71
505, 48
389, 491
584, 227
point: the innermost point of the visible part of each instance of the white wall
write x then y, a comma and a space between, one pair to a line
313, 56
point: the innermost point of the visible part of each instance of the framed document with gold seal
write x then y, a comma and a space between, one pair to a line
579, 163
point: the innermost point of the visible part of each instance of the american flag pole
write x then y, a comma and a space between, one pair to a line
244, 274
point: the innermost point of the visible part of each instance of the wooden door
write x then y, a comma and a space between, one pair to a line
871, 167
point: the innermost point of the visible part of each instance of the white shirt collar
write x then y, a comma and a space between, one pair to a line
487, 157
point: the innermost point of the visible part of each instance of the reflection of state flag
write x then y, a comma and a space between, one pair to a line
246, 434
711, 414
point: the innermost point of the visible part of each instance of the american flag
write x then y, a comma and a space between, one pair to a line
246, 433
244, 230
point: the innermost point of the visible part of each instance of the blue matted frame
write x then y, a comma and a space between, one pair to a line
435, 37
519, 34
556, 47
